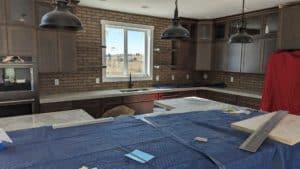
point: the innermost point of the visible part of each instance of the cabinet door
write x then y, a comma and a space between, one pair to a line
254, 25
47, 51
220, 31
20, 12
21, 41
234, 57
252, 58
2, 11
67, 51
220, 56
271, 24
185, 55
41, 10
290, 27
203, 57
3, 41
269, 46
204, 31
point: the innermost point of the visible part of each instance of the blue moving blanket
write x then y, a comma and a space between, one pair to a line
104, 145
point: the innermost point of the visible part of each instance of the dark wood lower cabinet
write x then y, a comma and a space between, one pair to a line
144, 103
230, 99
248, 102
140, 103
173, 95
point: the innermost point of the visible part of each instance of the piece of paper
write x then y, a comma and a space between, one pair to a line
139, 156
4, 137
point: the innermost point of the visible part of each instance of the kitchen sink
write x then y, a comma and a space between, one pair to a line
133, 90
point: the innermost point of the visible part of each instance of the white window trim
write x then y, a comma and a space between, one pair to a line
150, 39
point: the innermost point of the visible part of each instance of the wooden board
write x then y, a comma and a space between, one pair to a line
287, 131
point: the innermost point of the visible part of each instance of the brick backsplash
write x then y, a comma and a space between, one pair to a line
252, 82
89, 55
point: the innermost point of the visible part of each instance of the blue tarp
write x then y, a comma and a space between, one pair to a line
104, 145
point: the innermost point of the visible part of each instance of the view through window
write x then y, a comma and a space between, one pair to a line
128, 51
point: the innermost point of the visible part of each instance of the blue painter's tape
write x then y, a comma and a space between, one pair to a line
1, 146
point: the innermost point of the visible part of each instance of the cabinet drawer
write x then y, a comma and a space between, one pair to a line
222, 97
142, 107
248, 102
172, 95
54, 107
139, 98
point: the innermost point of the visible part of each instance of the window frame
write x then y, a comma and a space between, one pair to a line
149, 30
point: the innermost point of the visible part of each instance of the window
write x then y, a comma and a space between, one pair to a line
129, 50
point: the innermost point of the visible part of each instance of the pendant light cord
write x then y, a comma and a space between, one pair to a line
176, 10
243, 16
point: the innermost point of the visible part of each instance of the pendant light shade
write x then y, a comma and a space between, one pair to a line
242, 36
176, 30
61, 18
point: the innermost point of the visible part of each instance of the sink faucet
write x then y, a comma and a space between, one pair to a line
130, 83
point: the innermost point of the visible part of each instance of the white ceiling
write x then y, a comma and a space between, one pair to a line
198, 9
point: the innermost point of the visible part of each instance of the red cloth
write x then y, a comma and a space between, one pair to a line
282, 83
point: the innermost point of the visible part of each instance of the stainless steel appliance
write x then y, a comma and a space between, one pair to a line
18, 83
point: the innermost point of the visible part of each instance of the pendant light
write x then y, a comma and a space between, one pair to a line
242, 36
61, 17
176, 30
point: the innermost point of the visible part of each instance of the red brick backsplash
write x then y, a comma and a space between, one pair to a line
252, 82
89, 55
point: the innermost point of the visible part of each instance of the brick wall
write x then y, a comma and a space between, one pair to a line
252, 82
89, 58
89, 55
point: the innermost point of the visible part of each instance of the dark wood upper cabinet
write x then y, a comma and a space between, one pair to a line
254, 25
21, 12
234, 57
3, 41
21, 41
204, 56
289, 27
220, 56
48, 51
271, 23
67, 51
2, 11
269, 46
204, 31
233, 27
220, 31
251, 60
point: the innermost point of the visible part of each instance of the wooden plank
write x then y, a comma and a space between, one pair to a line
287, 131
256, 139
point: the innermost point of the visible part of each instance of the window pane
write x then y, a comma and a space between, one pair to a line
115, 52
136, 52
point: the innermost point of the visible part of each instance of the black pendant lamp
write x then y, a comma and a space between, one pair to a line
61, 18
176, 30
242, 36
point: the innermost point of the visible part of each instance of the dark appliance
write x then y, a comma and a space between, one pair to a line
17, 85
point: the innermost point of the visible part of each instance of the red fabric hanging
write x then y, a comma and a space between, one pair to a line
282, 83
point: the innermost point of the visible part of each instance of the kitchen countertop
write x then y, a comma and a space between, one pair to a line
45, 119
191, 104
98, 94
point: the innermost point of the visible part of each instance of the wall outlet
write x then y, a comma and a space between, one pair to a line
97, 80
173, 77
231, 79
205, 76
56, 82
187, 76
157, 78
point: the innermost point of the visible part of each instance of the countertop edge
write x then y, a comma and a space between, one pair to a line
116, 93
